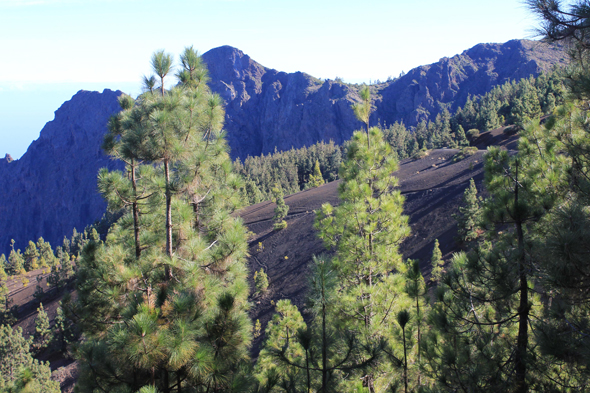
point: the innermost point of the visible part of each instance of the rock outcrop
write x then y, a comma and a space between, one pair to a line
52, 188
266, 108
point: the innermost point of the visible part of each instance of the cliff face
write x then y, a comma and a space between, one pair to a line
267, 108
52, 188
422, 92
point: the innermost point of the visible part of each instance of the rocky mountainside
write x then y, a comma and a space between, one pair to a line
267, 108
52, 188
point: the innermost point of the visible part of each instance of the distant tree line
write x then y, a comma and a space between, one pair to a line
294, 170
513, 103
58, 264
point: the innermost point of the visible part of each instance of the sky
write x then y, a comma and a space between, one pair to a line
50, 49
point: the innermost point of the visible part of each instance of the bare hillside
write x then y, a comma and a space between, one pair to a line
433, 187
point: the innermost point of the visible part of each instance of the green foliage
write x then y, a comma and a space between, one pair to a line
417, 291
436, 262
363, 109
46, 255
42, 335
473, 133
6, 313
174, 314
260, 281
64, 332
464, 153
316, 179
315, 357
291, 169
31, 257
367, 261
485, 300
16, 261
280, 337
19, 372
402, 141
470, 215
281, 210
512, 103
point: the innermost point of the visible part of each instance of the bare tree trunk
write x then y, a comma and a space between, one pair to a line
324, 345
405, 362
135, 212
523, 307
419, 353
168, 215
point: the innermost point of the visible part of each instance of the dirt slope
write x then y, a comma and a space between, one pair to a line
433, 187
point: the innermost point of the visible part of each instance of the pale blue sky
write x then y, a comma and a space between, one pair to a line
53, 48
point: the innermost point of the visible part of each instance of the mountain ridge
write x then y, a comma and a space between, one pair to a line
267, 108
52, 188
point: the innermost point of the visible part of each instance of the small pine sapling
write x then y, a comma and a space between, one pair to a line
470, 215
281, 210
257, 329
437, 263
260, 281
42, 335
316, 179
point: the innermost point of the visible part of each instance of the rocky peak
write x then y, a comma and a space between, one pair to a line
52, 188
229, 64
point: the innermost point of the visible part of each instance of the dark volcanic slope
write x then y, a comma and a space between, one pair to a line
267, 108
52, 188
433, 188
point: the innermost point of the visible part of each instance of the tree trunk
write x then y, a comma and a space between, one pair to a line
166, 382
135, 212
196, 213
168, 215
324, 347
405, 362
419, 323
308, 372
523, 307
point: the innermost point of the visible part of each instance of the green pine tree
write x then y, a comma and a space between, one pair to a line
16, 261
42, 335
470, 215
31, 257
369, 265
174, 317
316, 179
6, 314
363, 110
282, 208
319, 356
19, 371
46, 256
260, 281
436, 262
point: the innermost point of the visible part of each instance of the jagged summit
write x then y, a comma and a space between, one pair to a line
267, 108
